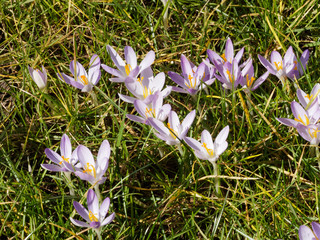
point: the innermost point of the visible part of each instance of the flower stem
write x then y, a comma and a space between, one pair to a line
94, 98
98, 232
180, 149
318, 155
216, 174
69, 182
97, 190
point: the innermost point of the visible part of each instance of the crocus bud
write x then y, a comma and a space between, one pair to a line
40, 78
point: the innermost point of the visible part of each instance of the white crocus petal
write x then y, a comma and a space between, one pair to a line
305, 233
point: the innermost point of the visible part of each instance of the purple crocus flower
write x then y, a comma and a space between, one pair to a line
174, 131
207, 149
278, 66
305, 99
193, 78
248, 81
305, 232
310, 133
95, 216
93, 171
129, 68
66, 162
230, 74
156, 110
299, 67
301, 116
81, 79
40, 78
227, 57
145, 87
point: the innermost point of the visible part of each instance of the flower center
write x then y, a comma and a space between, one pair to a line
223, 56
89, 168
278, 65
146, 92
150, 112
209, 150
301, 121
231, 77
309, 96
314, 133
190, 82
249, 82
173, 133
92, 217
84, 80
64, 159
128, 69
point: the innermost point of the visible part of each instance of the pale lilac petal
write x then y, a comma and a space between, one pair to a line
65, 146
229, 53
221, 148
186, 123
53, 168
267, 65
194, 144
85, 176
259, 81
117, 60
158, 81
142, 108
85, 156
316, 229
289, 56
95, 224
214, 57
275, 57
239, 55
304, 60
305, 233
136, 118
117, 79
79, 70
103, 154
164, 112
185, 66
112, 71
174, 121
93, 202
130, 56
81, 210
109, 219
180, 90
288, 122
148, 60
79, 223
207, 139
127, 99
104, 208
298, 111
222, 136
53, 156
165, 92
176, 78
159, 126
94, 76
302, 98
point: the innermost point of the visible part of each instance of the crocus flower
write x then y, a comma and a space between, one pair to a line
144, 87
95, 216
299, 67
156, 110
207, 149
230, 74
278, 66
301, 116
66, 162
305, 99
193, 78
174, 131
248, 81
227, 57
129, 68
40, 78
310, 133
93, 171
305, 232
83, 80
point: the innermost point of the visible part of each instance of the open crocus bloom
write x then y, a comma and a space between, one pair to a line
305, 232
174, 131
230, 74
93, 171
66, 162
193, 78
95, 216
145, 87
129, 68
305, 99
278, 66
83, 80
248, 81
299, 67
156, 110
207, 149
227, 57
301, 116
310, 133
40, 78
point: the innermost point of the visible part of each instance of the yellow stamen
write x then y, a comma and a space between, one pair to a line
309, 96
190, 81
92, 217
223, 56
278, 65
314, 133
230, 77
249, 82
128, 69
64, 159
150, 112
173, 133
140, 80
146, 92
301, 121
209, 150
84, 80
295, 65
89, 168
